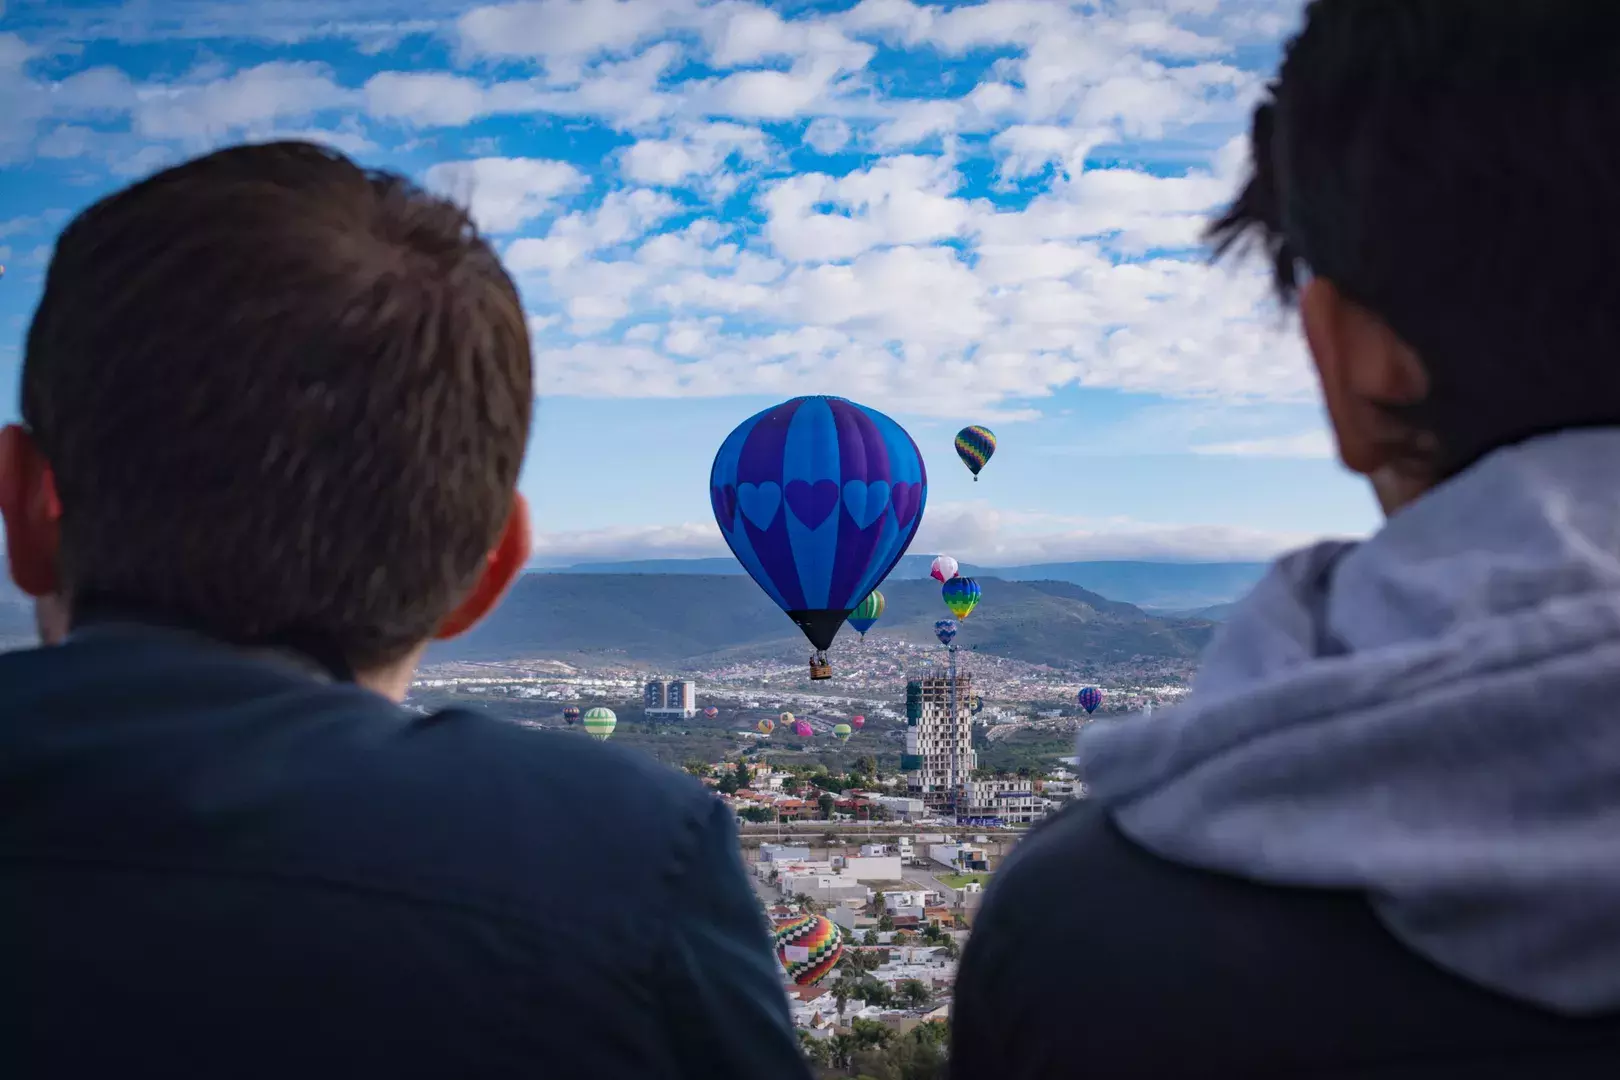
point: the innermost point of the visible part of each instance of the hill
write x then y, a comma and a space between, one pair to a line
690, 618
1161, 586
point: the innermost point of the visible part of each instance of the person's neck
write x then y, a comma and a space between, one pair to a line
392, 681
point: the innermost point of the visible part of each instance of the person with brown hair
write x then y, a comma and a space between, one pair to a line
274, 410
1382, 836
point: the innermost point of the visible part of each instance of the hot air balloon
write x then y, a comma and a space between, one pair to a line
571, 715
1089, 699
818, 498
808, 947
975, 446
711, 712
786, 719
600, 722
944, 569
867, 612
857, 722
961, 596
802, 729
977, 704
842, 732
945, 630
765, 726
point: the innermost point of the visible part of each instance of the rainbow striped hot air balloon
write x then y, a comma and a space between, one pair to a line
867, 612
808, 947
1089, 699
961, 596
765, 726
842, 732
571, 715
975, 446
802, 729
600, 722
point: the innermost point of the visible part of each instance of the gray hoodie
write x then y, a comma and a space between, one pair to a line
1432, 717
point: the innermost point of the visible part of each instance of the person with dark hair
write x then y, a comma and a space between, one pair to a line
1382, 837
274, 409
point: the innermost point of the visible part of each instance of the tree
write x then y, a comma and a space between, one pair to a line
699, 769
952, 948
827, 804
885, 920
847, 986
759, 814
816, 1051
871, 938
793, 785
866, 764
807, 904
744, 777
914, 993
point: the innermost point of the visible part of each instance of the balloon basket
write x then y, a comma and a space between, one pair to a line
820, 669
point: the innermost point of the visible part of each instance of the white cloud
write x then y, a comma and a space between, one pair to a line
566, 33
1308, 444
827, 135
627, 543
901, 200
430, 99
256, 98
623, 216
700, 151
505, 193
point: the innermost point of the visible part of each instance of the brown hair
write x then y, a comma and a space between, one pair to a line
284, 398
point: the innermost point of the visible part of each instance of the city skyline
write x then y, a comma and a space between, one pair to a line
957, 214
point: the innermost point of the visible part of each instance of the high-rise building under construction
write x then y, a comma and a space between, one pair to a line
939, 757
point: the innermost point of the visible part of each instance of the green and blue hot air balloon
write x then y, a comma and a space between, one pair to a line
600, 722
868, 612
975, 446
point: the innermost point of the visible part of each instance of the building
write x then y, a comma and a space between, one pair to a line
870, 868
670, 699
939, 755
1000, 802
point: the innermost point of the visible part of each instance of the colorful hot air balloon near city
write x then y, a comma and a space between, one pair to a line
786, 719
857, 722
765, 726
600, 722
867, 612
571, 715
842, 732
975, 446
802, 729
961, 596
711, 712
944, 569
1089, 699
945, 630
808, 947
818, 498
977, 705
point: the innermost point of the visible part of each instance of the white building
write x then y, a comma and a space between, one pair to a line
939, 755
959, 856
1010, 802
877, 868
670, 699
903, 807
778, 853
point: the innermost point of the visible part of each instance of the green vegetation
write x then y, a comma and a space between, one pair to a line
957, 881
872, 1051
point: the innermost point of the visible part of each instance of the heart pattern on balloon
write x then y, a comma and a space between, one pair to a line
905, 498
866, 501
724, 500
813, 503
759, 502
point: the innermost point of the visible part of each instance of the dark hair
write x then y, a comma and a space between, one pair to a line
1454, 167
285, 399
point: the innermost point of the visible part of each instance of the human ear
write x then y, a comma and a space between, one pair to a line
32, 513
502, 567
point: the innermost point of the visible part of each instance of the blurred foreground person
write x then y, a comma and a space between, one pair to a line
275, 410
1383, 837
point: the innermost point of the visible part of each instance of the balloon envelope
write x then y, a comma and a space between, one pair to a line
802, 729
1089, 699
818, 498
867, 612
944, 569
711, 712
842, 732
975, 446
571, 715
786, 718
961, 596
945, 630
808, 948
600, 722
765, 726
857, 722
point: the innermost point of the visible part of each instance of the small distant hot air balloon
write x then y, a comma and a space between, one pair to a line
711, 712
945, 630
808, 947
961, 596
786, 719
802, 729
975, 446
977, 704
600, 722
867, 612
842, 732
765, 726
571, 715
944, 569
857, 722
818, 498
1089, 699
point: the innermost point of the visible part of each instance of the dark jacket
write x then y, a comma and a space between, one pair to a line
215, 865
1093, 958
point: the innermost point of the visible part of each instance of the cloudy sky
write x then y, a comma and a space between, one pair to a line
957, 213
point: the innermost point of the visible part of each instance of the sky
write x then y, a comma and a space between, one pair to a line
984, 213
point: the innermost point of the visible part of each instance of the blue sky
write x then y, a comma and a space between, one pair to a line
983, 213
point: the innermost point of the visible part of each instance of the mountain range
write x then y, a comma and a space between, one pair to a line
697, 618
1154, 586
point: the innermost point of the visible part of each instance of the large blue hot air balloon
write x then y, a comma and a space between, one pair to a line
1089, 699
818, 498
